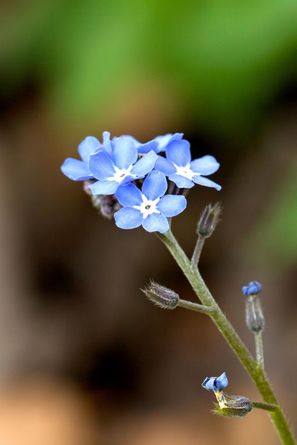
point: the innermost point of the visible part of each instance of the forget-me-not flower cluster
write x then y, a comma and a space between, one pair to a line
136, 175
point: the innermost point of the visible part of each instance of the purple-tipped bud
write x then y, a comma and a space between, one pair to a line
209, 220
252, 288
161, 296
106, 205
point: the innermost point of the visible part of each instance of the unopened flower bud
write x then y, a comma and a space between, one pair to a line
106, 205
161, 296
254, 316
209, 220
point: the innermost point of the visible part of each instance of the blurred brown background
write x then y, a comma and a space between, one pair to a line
84, 359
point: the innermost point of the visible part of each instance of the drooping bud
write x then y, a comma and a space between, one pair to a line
254, 316
209, 220
106, 205
161, 296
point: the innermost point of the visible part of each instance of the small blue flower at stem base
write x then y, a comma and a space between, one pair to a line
119, 167
215, 383
148, 207
78, 170
184, 172
252, 288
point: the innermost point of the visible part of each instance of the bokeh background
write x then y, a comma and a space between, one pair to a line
84, 358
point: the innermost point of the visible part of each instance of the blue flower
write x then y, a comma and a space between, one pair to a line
161, 142
184, 172
215, 383
119, 166
252, 288
157, 144
142, 148
148, 207
79, 170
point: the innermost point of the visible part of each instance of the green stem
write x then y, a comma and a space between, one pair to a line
255, 371
259, 348
264, 406
197, 250
195, 307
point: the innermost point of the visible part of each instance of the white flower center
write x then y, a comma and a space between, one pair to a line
148, 207
185, 171
120, 174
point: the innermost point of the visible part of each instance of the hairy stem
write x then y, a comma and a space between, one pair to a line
196, 307
197, 250
259, 348
257, 373
265, 406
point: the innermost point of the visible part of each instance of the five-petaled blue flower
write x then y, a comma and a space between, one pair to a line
79, 170
184, 172
215, 383
148, 207
118, 167
252, 288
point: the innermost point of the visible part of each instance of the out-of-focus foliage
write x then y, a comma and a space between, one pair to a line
276, 234
224, 58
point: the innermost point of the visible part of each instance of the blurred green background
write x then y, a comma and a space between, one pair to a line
73, 320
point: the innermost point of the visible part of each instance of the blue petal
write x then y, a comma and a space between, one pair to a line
127, 179
181, 182
145, 164
103, 187
205, 165
209, 383
129, 195
172, 205
128, 218
155, 223
87, 147
76, 170
252, 288
128, 138
165, 139
179, 152
106, 141
221, 382
206, 182
154, 185
124, 152
148, 146
101, 165
164, 166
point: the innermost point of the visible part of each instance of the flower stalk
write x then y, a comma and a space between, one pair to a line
257, 374
259, 348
